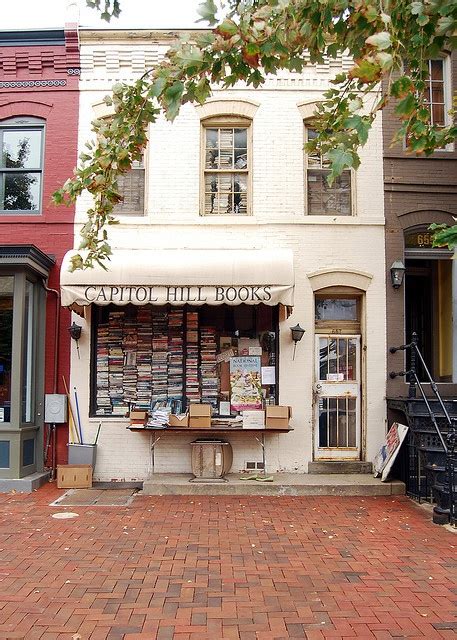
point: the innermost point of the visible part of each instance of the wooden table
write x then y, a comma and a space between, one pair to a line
259, 435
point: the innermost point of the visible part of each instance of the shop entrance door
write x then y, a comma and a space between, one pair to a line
337, 397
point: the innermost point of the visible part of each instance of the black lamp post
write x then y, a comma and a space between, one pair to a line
297, 335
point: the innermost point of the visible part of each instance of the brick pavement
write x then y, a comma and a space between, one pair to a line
213, 568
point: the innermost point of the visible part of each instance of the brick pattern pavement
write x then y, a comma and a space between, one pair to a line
207, 568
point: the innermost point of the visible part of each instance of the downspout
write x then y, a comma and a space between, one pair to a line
56, 335
55, 373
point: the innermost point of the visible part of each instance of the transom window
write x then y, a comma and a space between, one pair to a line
21, 164
226, 168
322, 199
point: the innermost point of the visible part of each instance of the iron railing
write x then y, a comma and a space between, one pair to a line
446, 509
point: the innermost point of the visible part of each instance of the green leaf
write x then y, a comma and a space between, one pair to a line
340, 159
227, 28
207, 10
380, 40
416, 8
406, 106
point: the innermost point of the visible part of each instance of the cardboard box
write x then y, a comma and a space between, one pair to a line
253, 419
277, 417
138, 418
200, 416
181, 420
74, 476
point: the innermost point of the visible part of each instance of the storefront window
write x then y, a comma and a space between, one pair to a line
147, 357
6, 344
27, 369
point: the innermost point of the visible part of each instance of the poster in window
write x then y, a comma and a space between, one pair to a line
245, 383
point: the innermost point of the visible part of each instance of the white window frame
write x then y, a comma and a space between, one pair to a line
309, 125
23, 123
226, 122
137, 165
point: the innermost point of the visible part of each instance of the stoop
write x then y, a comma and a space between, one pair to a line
283, 484
340, 466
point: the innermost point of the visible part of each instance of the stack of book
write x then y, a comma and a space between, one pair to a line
143, 358
192, 380
103, 399
208, 367
130, 347
116, 363
175, 353
159, 367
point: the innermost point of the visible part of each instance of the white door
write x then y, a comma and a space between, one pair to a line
337, 397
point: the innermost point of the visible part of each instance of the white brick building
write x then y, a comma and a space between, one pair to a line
337, 256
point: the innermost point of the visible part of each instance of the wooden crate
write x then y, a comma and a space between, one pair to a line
74, 476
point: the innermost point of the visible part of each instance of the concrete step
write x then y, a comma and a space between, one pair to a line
290, 484
340, 466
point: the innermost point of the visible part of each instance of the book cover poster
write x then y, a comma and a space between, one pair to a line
384, 460
245, 383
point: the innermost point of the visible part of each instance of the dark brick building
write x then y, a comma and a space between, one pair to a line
39, 73
419, 191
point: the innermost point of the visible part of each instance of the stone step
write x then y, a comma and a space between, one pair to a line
340, 466
290, 484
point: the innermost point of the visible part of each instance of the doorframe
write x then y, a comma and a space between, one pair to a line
345, 291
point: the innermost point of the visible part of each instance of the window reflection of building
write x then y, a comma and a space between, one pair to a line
6, 343
21, 161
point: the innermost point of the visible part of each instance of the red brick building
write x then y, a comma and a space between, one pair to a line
39, 73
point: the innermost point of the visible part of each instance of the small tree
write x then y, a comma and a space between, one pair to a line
390, 42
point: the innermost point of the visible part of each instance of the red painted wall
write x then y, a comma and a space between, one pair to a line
53, 71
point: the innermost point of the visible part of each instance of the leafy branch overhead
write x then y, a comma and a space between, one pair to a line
390, 42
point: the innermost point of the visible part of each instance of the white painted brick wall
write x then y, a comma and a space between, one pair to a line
172, 220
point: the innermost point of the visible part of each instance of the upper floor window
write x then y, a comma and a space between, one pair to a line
21, 164
131, 186
322, 199
226, 166
435, 92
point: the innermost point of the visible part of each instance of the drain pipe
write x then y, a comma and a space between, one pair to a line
55, 373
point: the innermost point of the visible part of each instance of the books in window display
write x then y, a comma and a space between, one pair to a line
209, 377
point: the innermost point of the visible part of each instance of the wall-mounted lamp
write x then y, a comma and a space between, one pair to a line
397, 273
75, 334
297, 335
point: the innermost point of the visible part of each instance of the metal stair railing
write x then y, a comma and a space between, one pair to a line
450, 443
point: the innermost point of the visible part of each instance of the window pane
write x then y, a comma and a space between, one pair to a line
131, 187
27, 365
323, 359
225, 191
336, 309
241, 138
21, 149
226, 158
329, 200
21, 191
436, 69
438, 115
6, 344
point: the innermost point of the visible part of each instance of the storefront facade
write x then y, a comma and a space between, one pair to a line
38, 130
228, 238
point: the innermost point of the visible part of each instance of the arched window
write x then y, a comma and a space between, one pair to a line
226, 165
21, 165
321, 198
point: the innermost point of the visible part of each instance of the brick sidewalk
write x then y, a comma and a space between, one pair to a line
202, 568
